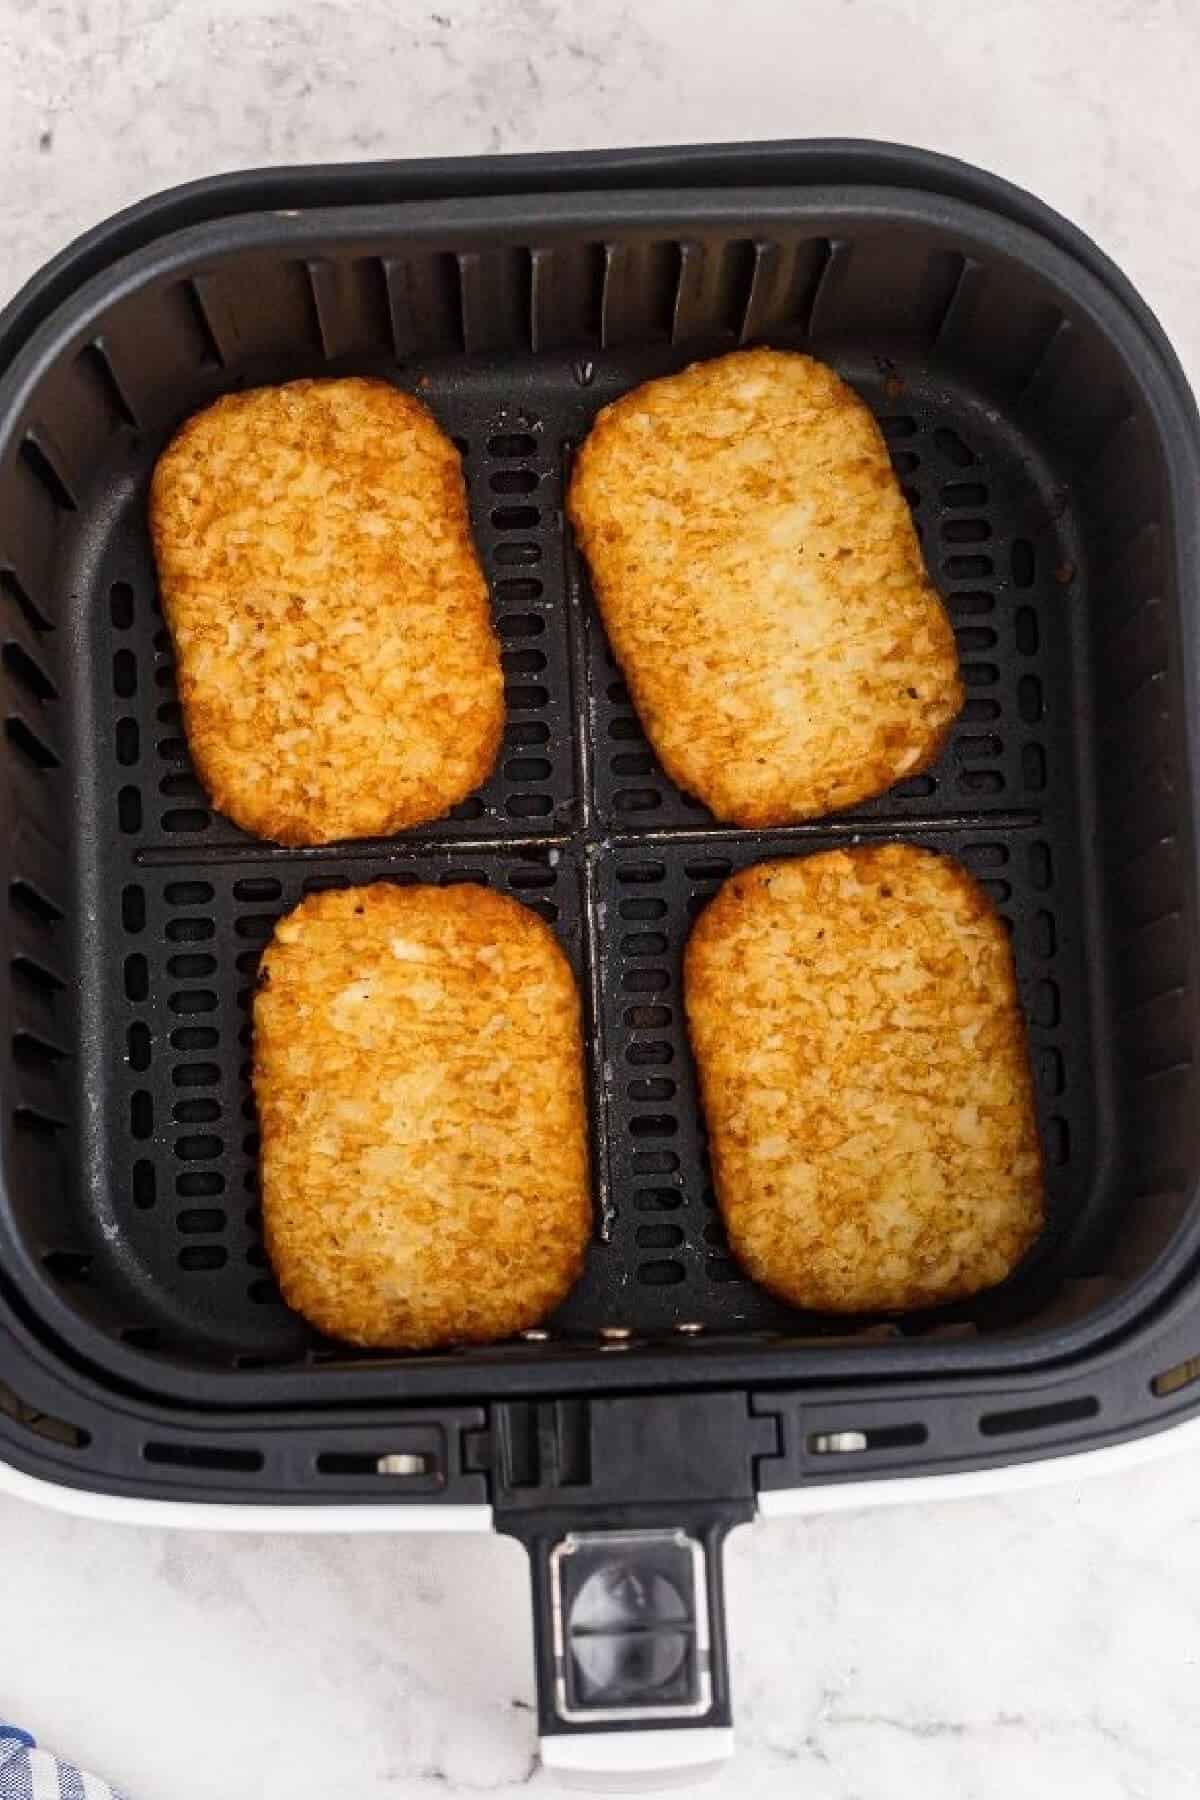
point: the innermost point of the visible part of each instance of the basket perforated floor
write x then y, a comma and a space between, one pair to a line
579, 822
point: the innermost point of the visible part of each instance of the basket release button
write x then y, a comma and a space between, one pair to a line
631, 1628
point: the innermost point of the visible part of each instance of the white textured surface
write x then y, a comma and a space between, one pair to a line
1088, 102
1041, 1645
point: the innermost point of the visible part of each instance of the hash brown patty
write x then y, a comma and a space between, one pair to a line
337, 665
761, 583
418, 1070
865, 1079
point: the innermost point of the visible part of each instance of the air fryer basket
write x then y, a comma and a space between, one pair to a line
1029, 424
1048, 445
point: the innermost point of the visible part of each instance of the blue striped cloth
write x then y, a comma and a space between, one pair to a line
27, 1773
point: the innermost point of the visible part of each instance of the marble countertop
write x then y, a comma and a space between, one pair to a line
1041, 1644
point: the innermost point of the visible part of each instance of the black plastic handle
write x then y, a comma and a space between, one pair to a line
624, 1504
629, 1643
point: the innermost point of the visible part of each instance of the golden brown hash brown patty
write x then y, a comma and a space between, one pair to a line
337, 665
865, 1079
419, 1078
761, 583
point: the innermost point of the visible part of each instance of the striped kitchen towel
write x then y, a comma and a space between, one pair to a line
27, 1773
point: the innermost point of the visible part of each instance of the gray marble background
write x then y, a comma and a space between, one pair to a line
1043, 1645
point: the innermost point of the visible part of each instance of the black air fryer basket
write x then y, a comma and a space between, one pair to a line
1048, 444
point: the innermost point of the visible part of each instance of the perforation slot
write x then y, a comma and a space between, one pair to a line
1039, 1418
204, 1456
57, 1431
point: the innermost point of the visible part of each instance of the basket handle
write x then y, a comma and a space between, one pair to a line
629, 1629
624, 1502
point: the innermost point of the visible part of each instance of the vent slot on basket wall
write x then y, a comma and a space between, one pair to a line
639, 290
41, 1017
43, 1425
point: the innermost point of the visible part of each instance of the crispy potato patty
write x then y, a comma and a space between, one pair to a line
337, 665
865, 1078
419, 1077
761, 584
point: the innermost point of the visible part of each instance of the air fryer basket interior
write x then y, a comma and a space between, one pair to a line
1025, 414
